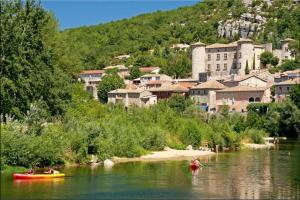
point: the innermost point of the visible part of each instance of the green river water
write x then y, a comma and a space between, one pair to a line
247, 174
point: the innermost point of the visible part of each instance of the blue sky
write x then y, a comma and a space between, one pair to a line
72, 14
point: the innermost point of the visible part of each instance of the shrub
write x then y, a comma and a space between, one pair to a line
154, 139
254, 136
190, 134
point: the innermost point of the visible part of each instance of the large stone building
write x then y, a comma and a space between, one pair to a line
220, 60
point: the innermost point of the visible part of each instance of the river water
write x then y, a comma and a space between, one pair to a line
247, 174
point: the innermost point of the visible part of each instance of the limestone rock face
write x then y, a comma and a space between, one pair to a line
247, 25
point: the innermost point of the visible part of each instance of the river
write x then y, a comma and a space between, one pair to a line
250, 174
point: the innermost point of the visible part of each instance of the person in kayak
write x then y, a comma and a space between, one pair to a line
30, 171
196, 162
51, 171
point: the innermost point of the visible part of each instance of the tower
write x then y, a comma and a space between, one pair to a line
245, 52
198, 59
286, 53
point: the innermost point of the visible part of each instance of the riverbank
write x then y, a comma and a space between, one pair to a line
167, 154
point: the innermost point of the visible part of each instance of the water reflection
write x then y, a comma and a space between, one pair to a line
245, 174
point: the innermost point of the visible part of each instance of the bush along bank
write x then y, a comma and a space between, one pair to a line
91, 128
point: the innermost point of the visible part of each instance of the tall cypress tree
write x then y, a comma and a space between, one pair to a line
247, 70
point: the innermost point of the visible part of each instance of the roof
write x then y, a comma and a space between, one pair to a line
124, 91
154, 82
244, 40
148, 69
259, 46
242, 88
170, 88
242, 78
287, 40
115, 66
187, 84
218, 45
290, 82
211, 84
92, 71
198, 44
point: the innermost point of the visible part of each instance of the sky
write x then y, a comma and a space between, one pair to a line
75, 13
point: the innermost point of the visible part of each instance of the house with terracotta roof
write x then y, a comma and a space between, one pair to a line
154, 77
239, 97
122, 70
204, 94
166, 91
132, 97
91, 78
283, 89
283, 76
149, 70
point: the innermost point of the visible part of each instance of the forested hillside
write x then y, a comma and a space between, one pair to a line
148, 38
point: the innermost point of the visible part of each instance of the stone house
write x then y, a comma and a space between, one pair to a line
283, 89
166, 91
91, 79
204, 94
248, 80
239, 97
154, 77
132, 97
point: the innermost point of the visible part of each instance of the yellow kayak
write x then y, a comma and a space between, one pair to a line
37, 176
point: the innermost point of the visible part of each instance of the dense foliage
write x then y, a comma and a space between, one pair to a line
29, 69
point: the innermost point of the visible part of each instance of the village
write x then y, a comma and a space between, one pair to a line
222, 74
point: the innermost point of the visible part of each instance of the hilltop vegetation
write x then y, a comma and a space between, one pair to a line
96, 46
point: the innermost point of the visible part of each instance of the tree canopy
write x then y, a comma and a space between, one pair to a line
29, 69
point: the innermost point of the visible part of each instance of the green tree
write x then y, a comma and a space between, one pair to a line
110, 81
29, 64
274, 61
134, 72
247, 70
265, 58
178, 102
295, 95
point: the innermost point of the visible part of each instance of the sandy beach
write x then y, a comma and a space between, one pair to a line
169, 154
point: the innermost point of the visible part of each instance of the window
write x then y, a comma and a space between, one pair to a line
218, 67
218, 56
251, 99
288, 89
257, 99
208, 67
225, 56
208, 57
225, 67
240, 55
234, 55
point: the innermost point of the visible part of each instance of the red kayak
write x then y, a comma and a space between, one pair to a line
37, 176
194, 165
